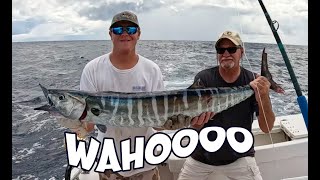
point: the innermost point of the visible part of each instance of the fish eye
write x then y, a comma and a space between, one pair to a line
61, 97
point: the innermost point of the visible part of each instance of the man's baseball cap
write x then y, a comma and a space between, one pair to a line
232, 36
125, 16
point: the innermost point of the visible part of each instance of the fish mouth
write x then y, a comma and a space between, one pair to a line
47, 108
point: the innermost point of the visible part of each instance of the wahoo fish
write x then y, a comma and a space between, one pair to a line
168, 110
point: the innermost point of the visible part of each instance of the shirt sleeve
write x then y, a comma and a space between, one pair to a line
158, 84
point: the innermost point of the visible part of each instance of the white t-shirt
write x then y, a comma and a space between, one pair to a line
100, 75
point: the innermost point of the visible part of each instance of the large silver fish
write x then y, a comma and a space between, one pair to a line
166, 109
163, 109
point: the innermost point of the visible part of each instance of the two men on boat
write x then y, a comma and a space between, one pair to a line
124, 70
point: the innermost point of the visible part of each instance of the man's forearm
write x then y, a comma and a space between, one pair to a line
266, 116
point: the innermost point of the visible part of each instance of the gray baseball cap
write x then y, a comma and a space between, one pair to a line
125, 16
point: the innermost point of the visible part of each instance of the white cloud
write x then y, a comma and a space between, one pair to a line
39, 20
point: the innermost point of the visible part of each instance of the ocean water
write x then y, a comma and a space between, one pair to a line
38, 150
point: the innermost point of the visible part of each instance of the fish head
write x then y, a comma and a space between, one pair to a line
70, 105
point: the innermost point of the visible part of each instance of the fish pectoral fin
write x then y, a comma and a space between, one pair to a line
101, 127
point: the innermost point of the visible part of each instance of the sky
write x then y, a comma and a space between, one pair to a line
199, 20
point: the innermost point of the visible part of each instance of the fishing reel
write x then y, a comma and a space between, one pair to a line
275, 22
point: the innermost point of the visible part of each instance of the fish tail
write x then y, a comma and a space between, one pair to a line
266, 73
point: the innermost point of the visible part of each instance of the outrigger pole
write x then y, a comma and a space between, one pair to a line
302, 101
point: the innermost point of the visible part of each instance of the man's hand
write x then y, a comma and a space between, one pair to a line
81, 128
198, 121
261, 87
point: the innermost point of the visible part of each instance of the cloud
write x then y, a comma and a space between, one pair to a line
160, 19
24, 27
105, 11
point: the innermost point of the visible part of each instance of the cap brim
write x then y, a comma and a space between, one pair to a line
233, 41
123, 20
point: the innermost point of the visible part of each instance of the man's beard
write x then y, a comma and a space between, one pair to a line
227, 65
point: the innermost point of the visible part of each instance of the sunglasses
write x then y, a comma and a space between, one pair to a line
119, 30
231, 50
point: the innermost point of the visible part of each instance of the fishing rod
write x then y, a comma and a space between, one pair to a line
302, 101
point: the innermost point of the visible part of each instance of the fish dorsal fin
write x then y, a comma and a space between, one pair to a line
198, 84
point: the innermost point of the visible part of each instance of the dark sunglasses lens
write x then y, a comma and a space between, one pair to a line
231, 50
131, 30
117, 30
220, 50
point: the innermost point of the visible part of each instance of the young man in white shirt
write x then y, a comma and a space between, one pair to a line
123, 70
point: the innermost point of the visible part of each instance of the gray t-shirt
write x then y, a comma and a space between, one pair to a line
240, 115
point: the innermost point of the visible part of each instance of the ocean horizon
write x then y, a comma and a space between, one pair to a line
108, 40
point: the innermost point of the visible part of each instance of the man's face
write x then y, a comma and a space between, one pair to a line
124, 42
229, 58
